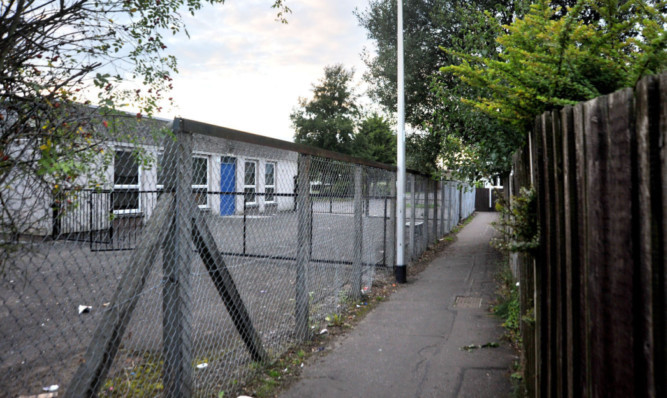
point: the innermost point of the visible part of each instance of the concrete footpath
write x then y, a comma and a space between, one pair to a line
411, 345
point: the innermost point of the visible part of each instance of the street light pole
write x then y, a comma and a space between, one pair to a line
400, 269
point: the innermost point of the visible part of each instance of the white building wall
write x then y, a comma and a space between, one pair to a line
286, 168
34, 203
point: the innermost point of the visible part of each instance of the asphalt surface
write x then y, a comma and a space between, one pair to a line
412, 345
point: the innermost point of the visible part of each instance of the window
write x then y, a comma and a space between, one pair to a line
270, 182
200, 180
125, 195
250, 181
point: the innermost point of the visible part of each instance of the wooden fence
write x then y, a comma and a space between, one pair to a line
594, 299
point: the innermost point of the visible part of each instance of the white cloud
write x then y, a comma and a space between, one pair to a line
241, 69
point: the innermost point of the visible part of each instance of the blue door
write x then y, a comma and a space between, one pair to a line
227, 184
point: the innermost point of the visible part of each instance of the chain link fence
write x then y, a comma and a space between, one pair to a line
203, 254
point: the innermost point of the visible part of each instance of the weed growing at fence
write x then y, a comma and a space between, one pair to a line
516, 378
518, 224
508, 309
143, 378
335, 320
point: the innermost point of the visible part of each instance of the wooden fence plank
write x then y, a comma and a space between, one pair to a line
541, 267
571, 278
648, 158
558, 257
617, 294
597, 196
660, 263
551, 263
583, 360
526, 280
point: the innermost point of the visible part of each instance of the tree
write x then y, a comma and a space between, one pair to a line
553, 58
428, 24
328, 119
59, 58
375, 140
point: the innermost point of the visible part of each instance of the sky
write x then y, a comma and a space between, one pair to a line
243, 70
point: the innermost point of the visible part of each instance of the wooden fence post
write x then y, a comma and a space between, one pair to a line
541, 263
304, 240
651, 135
581, 247
571, 252
558, 256
358, 234
224, 284
177, 260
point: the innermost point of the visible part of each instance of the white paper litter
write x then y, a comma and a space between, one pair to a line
51, 388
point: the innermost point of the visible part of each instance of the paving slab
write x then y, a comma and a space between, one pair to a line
411, 345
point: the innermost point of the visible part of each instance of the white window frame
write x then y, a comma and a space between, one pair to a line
248, 186
136, 186
270, 186
208, 176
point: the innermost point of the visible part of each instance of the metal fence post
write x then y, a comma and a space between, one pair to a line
413, 211
384, 234
358, 230
427, 233
447, 205
391, 247
367, 192
450, 207
245, 220
177, 259
442, 207
434, 238
460, 216
90, 219
304, 240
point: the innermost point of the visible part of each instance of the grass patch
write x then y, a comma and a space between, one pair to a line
144, 379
